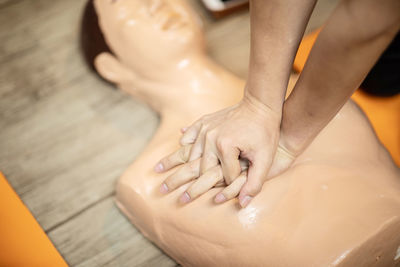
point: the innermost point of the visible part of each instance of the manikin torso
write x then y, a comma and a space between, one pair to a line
338, 205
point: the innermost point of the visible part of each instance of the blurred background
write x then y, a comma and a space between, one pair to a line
66, 135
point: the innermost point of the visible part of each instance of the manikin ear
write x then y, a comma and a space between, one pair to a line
111, 69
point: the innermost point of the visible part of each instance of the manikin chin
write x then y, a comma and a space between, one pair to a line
338, 205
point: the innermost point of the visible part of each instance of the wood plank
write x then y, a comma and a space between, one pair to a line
101, 236
66, 136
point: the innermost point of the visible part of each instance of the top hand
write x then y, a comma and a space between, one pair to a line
248, 130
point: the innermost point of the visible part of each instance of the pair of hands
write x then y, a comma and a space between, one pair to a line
237, 147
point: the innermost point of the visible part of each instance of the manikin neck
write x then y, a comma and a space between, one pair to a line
191, 85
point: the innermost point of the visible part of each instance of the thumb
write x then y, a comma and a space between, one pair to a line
256, 176
282, 161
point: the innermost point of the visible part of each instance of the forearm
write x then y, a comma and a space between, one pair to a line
276, 30
347, 48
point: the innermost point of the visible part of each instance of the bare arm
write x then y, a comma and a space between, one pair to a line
276, 29
349, 45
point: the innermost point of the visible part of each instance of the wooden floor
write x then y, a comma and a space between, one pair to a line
65, 136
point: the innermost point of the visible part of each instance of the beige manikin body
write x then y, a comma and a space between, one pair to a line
339, 205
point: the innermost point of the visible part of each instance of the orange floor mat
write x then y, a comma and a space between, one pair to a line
383, 112
22, 240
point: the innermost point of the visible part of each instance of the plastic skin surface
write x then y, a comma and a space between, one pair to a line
338, 205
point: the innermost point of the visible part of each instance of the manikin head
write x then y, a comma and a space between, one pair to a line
146, 36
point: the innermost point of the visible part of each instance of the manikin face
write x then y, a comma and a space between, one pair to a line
149, 33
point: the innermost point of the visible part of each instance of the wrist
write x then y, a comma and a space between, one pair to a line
297, 130
290, 143
263, 106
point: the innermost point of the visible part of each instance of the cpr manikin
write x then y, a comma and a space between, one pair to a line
338, 205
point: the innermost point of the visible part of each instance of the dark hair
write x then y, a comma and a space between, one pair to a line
384, 78
91, 37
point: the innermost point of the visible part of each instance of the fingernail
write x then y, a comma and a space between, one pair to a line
185, 198
159, 167
184, 129
164, 188
244, 201
220, 198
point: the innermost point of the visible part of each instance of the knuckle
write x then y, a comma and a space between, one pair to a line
184, 153
201, 122
217, 171
181, 154
209, 171
204, 128
222, 144
195, 148
187, 138
195, 153
197, 123
205, 118
193, 168
206, 167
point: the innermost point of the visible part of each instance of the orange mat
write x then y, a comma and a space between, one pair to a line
22, 240
383, 112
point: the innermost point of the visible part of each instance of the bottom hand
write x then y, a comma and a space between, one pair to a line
191, 171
